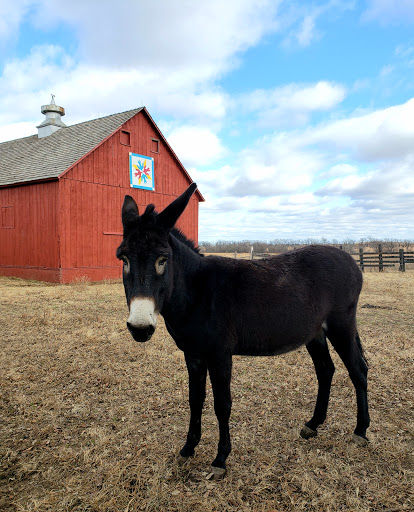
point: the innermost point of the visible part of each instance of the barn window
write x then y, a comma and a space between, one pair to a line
125, 138
155, 146
7, 217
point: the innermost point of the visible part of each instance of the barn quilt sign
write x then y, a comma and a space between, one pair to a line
141, 171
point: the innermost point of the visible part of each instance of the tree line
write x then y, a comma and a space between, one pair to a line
278, 246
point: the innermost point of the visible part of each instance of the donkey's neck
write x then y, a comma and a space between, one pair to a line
184, 254
186, 264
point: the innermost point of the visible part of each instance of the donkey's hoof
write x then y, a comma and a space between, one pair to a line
216, 473
359, 441
307, 432
182, 460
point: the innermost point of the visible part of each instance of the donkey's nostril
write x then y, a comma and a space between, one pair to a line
141, 334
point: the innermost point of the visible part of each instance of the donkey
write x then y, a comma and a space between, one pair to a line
215, 307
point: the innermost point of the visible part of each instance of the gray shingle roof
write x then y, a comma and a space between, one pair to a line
32, 159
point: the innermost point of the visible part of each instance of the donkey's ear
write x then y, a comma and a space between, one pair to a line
169, 216
130, 212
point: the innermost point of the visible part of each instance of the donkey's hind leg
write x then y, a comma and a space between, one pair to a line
324, 367
344, 337
219, 368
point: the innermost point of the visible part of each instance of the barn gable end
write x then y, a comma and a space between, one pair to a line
75, 222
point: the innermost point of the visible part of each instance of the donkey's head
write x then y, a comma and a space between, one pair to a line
146, 254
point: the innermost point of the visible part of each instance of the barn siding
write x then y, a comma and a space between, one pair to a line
30, 249
92, 193
92, 228
70, 228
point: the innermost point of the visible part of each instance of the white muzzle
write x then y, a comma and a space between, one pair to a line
142, 313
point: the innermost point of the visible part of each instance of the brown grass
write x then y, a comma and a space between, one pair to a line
92, 421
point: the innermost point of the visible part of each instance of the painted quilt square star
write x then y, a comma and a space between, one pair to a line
141, 171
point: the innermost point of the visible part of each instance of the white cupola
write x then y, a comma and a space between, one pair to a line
53, 121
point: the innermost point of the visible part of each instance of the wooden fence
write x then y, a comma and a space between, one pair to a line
383, 259
380, 259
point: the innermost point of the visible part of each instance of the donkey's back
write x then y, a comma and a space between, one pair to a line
277, 304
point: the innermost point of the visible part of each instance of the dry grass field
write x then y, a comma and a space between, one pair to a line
92, 421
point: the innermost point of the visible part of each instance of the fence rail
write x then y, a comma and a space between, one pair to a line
383, 259
380, 259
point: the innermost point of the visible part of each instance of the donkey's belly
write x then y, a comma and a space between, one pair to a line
268, 348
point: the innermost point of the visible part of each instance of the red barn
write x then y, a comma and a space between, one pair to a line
61, 193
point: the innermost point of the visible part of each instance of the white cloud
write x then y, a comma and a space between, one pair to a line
275, 165
382, 134
360, 171
302, 18
291, 105
204, 36
16, 131
307, 31
12, 13
87, 91
338, 151
314, 219
195, 145
404, 51
44, 64
215, 183
389, 11
339, 170
344, 185
163, 55
27, 83
386, 70
288, 174
390, 180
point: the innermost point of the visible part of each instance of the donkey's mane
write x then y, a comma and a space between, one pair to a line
150, 217
179, 235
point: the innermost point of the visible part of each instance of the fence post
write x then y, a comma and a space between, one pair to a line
380, 259
361, 259
402, 261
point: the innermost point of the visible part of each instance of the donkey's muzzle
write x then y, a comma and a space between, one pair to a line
141, 334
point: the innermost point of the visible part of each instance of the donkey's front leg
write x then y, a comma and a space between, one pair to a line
219, 368
197, 372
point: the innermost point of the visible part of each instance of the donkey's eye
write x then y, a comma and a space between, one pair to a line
126, 264
160, 265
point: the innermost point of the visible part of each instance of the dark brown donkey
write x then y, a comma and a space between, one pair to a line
215, 307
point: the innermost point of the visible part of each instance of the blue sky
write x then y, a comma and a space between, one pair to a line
296, 118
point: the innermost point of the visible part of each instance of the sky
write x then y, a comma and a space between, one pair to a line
294, 117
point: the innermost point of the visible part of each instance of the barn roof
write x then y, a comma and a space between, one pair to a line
33, 159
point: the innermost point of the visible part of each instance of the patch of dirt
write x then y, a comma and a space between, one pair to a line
375, 306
